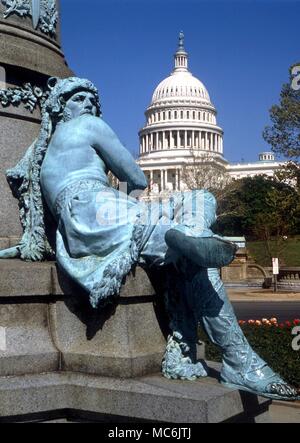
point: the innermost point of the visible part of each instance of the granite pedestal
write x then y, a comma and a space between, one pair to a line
60, 359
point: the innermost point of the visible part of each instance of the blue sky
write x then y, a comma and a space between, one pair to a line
241, 50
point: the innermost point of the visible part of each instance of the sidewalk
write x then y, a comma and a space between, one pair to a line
263, 295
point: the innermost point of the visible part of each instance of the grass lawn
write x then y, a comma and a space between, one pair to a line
289, 257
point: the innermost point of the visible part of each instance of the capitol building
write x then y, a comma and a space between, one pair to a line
181, 123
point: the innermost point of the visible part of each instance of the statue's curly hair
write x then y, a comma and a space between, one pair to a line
24, 178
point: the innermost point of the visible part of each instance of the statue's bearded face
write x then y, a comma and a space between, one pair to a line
81, 103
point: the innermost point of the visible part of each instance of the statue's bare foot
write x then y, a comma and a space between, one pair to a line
262, 381
175, 365
206, 252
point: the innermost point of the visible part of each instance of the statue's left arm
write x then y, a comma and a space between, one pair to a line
117, 158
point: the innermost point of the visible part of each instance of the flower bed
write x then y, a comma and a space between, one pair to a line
272, 341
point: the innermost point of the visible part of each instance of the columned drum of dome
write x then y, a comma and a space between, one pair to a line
180, 120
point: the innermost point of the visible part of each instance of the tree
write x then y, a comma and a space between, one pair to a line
204, 172
277, 221
265, 209
239, 210
284, 134
290, 173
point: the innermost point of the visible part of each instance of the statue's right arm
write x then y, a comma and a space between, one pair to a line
117, 158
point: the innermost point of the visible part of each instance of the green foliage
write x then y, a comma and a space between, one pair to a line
273, 344
290, 255
284, 134
262, 208
229, 225
290, 173
256, 199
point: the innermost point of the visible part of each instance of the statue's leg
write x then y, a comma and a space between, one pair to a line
10, 253
206, 252
242, 367
180, 359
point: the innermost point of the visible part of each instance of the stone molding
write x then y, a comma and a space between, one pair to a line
19, 31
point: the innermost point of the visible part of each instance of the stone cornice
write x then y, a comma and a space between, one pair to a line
180, 157
180, 126
174, 105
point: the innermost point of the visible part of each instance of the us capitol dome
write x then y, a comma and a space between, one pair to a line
181, 120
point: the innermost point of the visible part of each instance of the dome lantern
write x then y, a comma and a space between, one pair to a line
181, 56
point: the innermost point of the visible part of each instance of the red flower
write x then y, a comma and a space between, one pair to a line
288, 324
297, 321
282, 325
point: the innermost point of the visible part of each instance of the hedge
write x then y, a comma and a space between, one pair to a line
272, 342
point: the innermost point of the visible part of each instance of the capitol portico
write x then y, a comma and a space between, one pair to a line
181, 121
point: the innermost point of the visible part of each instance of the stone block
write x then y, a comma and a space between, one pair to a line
234, 272
285, 412
122, 340
19, 278
61, 284
152, 398
137, 284
14, 241
4, 243
26, 346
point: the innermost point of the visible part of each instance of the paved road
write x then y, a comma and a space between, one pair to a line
256, 309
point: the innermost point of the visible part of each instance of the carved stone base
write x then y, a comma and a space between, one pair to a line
46, 330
